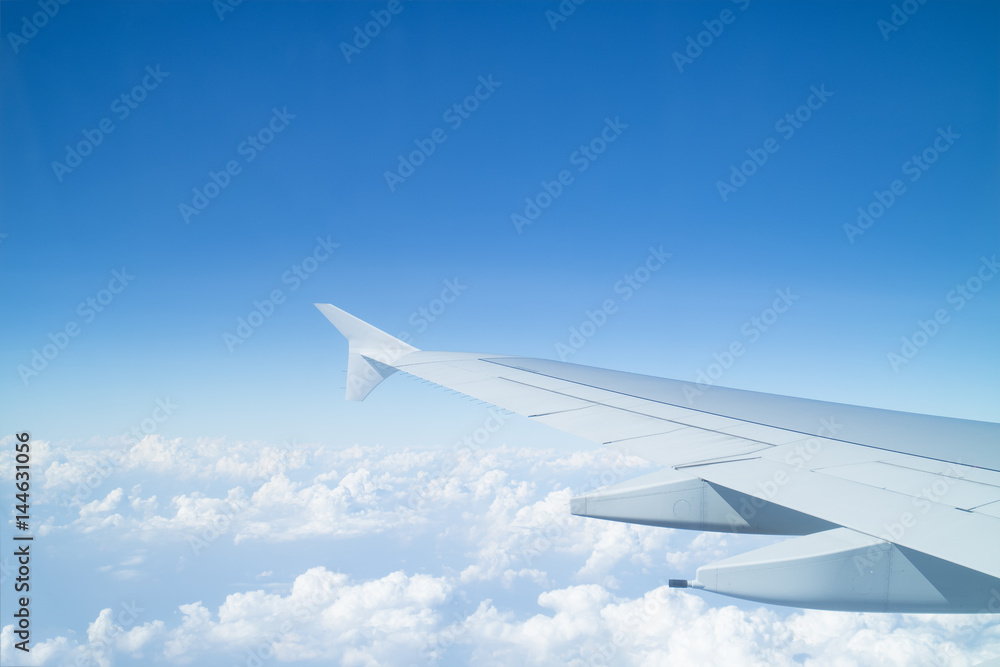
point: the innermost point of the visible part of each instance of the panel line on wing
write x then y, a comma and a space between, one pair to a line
806, 434
556, 412
698, 464
655, 401
650, 435
721, 426
968, 538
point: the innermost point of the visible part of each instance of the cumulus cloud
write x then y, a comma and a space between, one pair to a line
325, 615
95, 515
402, 618
111, 633
587, 625
496, 569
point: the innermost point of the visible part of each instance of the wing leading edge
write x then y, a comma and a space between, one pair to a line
896, 511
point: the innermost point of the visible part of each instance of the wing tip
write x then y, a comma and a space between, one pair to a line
366, 344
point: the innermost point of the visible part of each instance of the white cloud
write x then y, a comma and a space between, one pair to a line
586, 625
100, 506
40, 451
496, 569
381, 621
108, 634
92, 516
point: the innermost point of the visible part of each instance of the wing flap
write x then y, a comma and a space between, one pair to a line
686, 446
600, 423
966, 538
957, 492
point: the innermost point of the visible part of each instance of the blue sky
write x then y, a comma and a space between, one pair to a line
655, 185
335, 127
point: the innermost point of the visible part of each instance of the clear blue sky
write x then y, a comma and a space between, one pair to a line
324, 176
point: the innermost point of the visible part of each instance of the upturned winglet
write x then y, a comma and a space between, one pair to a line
370, 352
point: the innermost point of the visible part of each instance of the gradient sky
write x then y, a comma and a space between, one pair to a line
555, 88
323, 176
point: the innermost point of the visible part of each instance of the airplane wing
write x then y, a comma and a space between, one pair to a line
892, 511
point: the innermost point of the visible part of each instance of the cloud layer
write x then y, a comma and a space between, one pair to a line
495, 570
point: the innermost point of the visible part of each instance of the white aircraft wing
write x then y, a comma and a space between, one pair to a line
895, 511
